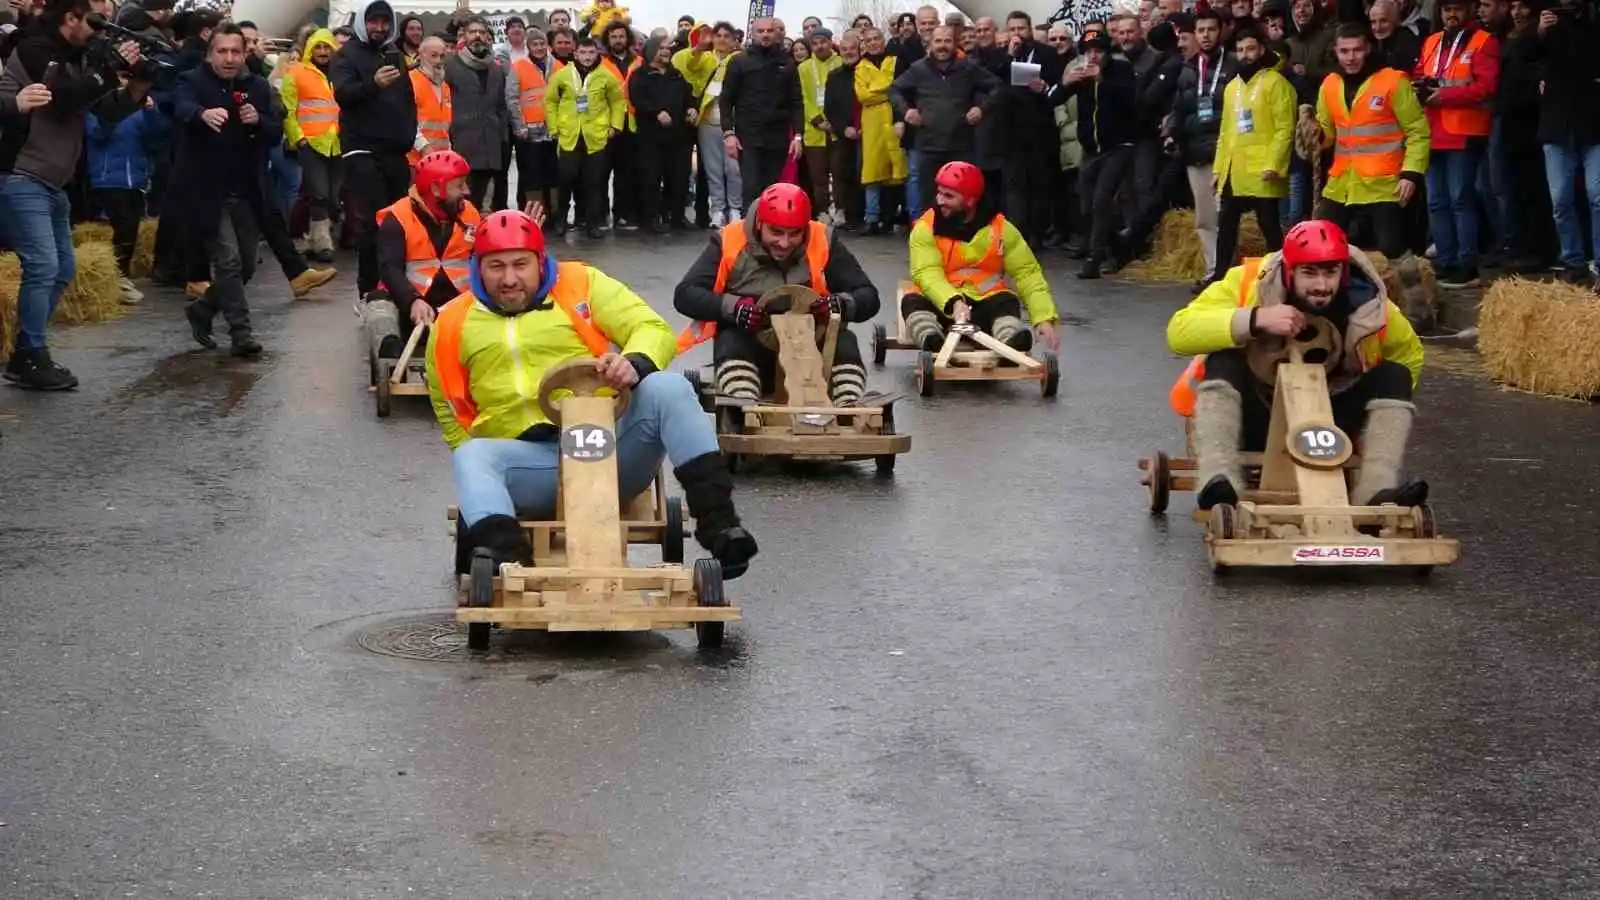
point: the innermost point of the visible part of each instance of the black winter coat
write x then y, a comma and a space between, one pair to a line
230, 162
370, 117
654, 92
1517, 95
1107, 113
1571, 102
943, 95
1195, 133
761, 98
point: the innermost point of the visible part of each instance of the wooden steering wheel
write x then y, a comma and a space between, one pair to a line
789, 298
579, 378
1318, 344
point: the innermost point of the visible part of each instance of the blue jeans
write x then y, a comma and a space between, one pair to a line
1494, 184
515, 477
1294, 208
914, 183
285, 178
1562, 164
874, 194
1453, 207
36, 220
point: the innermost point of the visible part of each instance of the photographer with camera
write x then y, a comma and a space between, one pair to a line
61, 70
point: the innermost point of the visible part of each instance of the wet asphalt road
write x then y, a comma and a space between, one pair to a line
995, 676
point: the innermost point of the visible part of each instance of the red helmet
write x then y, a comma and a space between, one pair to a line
433, 171
964, 178
784, 205
505, 230
1315, 241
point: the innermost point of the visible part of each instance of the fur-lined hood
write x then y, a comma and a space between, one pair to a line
1368, 315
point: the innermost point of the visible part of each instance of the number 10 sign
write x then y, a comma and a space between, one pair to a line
1319, 446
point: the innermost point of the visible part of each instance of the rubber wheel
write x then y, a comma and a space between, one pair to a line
696, 381
1221, 524
1159, 472
880, 345
480, 594
708, 592
1051, 381
885, 463
672, 534
385, 388
925, 373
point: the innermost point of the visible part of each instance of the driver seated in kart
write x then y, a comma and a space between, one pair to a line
967, 255
490, 349
778, 245
424, 251
1261, 304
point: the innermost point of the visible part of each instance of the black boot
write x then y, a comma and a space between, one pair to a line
32, 368
503, 536
1412, 493
708, 489
1217, 490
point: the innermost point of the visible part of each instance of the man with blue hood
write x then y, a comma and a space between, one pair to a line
377, 126
524, 313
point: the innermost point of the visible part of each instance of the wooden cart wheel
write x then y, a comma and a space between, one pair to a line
1158, 475
1221, 523
672, 534
925, 373
708, 592
575, 376
1052, 374
480, 594
385, 388
1422, 522
788, 298
880, 345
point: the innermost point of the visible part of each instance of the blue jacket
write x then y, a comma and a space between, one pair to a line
119, 156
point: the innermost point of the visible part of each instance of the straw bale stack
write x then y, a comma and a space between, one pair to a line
1541, 336
93, 296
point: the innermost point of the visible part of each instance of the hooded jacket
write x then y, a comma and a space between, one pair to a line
1023, 275
120, 152
372, 119
325, 144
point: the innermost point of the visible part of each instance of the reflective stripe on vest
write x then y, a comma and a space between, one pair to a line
1182, 396
433, 107
1367, 137
622, 77
422, 262
1455, 71
986, 275
570, 293
734, 240
315, 109
530, 91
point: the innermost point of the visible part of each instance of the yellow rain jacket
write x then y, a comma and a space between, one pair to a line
1219, 319
505, 357
327, 143
1257, 135
934, 260
813, 80
1350, 188
882, 160
607, 108
696, 68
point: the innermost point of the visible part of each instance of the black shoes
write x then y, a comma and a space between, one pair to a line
33, 369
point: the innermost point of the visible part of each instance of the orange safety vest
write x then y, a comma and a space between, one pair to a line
1454, 71
1181, 397
734, 240
316, 112
570, 292
530, 89
1367, 137
622, 79
433, 110
986, 275
422, 263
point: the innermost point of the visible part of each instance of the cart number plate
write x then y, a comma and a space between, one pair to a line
1320, 443
1331, 553
587, 443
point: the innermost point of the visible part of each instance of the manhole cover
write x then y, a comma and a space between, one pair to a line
439, 638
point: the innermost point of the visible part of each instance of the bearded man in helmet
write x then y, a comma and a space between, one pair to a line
523, 313
1266, 301
424, 252
779, 244
965, 257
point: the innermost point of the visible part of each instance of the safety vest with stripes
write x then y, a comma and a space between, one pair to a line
622, 79
530, 89
433, 110
316, 110
423, 263
1367, 137
1455, 71
734, 240
570, 292
983, 276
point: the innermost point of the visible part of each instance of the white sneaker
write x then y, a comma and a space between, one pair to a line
130, 294
735, 215
718, 219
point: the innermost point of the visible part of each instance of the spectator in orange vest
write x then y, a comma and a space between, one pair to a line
534, 151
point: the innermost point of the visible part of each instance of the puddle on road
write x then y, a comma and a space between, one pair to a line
230, 380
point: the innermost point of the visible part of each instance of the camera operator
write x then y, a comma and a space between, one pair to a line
60, 70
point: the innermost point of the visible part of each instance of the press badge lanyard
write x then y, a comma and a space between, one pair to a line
1215, 77
1447, 59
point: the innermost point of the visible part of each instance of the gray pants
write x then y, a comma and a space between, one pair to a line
232, 251
724, 188
322, 177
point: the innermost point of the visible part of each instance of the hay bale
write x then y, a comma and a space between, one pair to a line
93, 296
144, 250
1539, 336
1175, 253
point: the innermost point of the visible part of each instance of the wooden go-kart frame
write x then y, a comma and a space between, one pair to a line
968, 354
581, 579
802, 422
1294, 508
398, 377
